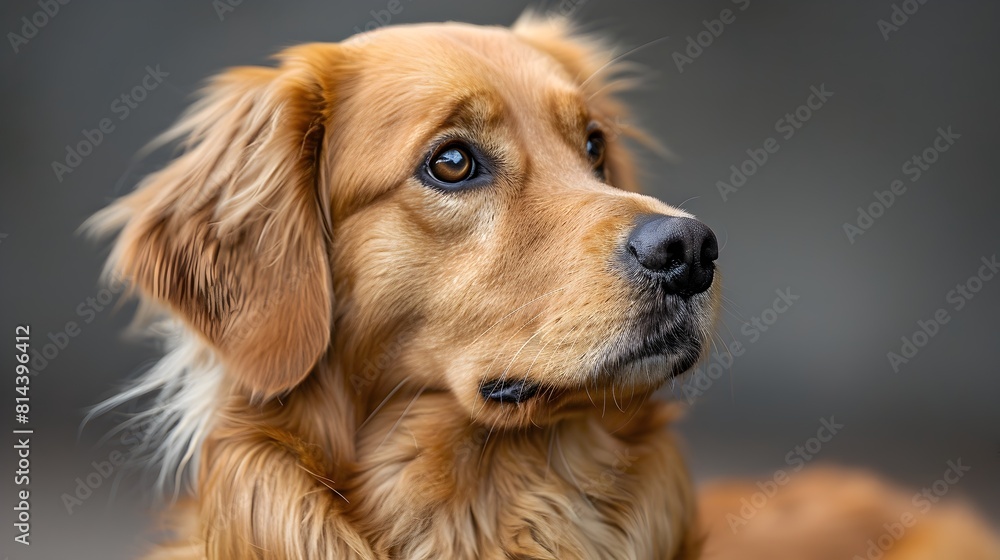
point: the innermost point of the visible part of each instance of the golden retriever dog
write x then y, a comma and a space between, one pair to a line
415, 308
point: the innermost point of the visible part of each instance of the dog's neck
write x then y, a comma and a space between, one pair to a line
608, 483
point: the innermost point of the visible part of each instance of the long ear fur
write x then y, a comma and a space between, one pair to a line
232, 235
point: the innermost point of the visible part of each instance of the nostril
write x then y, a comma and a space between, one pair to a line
709, 250
674, 256
674, 253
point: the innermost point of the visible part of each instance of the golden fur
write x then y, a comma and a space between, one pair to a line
826, 513
331, 319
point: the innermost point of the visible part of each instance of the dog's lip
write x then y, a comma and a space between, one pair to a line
508, 390
680, 344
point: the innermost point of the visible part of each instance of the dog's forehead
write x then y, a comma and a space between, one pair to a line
411, 81
451, 56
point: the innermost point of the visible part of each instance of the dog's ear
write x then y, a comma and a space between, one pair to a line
581, 55
591, 63
232, 234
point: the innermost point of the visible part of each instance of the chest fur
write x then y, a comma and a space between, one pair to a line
429, 486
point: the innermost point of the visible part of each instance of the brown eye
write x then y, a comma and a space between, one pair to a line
595, 151
452, 164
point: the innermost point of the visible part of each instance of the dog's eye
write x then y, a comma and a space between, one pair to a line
451, 164
595, 151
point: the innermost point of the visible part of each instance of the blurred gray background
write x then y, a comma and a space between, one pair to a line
783, 229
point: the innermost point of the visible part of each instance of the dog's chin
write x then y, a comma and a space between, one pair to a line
626, 380
652, 367
655, 348
642, 361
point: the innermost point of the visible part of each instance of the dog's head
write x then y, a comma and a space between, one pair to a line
445, 206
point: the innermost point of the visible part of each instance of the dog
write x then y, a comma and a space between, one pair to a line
415, 307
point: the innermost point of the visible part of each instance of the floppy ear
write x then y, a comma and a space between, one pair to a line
231, 235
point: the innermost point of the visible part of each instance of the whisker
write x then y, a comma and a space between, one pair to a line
626, 422
732, 314
401, 416
587, 390
732, 386
486, 441
561, 340
497, 357
548, 458
735, 311
381, 404
681, 205
727, 299
325, 482
631, 397
572, 477
620, 84
614, 399
621, 56
724, 241
518, 353
515, 311
721, 342
537, 354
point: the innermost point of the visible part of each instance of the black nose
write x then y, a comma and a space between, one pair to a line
680, 251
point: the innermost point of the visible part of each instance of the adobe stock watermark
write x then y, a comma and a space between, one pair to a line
101, 471
898, 17
122, 106
225, 7
43, 353
921, 503
32, 24
372, 369
696, 44
251, 317
913, 169
471, 448
958, 298
604, 483
705, 376
382, 17
795, 460
786, 126
567, 8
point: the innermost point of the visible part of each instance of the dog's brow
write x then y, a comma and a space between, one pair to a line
475, 110
571, 114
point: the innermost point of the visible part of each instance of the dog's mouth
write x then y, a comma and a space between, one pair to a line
668, 348
677, 348
509, 390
